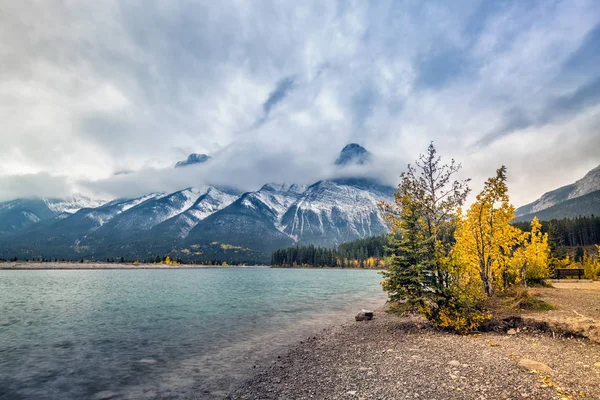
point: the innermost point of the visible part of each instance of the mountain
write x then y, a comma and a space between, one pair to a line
193, 159
181, 225
588, 184
353, 154
586, 205
147, 214
251, 222
20, 214
212, 223
337, 211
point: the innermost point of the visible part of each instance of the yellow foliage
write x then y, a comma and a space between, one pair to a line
532, 261
485, 239
169, 261
591, 265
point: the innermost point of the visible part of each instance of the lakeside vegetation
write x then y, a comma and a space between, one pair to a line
448, 263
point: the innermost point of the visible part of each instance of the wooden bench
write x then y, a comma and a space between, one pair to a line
567, 272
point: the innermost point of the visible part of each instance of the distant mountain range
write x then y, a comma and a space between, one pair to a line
581, 198
199, 224
219, 223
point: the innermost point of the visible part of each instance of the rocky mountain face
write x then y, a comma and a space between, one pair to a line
353, 153
563, 201
200, 224
193, 159
332, 212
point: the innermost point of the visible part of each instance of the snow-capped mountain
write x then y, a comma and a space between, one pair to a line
333, 212
72, 204
193, 159
199, 224
210, 202
253, 221
588, 184
21, 214
152, 212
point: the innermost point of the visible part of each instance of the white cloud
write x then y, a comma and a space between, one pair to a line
90, 89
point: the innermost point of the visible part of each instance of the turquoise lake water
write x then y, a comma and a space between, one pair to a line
180, 333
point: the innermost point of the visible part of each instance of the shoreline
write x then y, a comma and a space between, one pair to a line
66, 266
394, 357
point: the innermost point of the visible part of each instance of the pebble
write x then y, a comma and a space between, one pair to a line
454, 363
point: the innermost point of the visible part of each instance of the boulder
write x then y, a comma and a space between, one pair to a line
534, 365
364, 315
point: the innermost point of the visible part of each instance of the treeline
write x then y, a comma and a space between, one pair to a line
570, 232
362, 253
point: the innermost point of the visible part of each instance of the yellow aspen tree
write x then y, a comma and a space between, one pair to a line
485, 239
536, 251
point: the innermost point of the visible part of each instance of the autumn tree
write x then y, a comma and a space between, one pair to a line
422, 218
536, 252
485, 239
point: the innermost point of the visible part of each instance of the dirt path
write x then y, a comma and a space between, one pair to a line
577, 307
392, 358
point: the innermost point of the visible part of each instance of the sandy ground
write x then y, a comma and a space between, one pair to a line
577, 307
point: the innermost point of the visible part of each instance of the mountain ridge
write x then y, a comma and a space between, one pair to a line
211, 222
588, 184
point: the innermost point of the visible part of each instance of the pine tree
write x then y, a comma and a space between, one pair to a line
422, 215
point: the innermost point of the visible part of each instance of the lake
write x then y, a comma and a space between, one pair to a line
149, 333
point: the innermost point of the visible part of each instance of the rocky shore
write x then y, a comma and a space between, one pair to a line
392, 357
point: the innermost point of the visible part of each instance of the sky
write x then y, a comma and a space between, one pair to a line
104, 97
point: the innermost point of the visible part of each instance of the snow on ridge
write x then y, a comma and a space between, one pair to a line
72, 204
356, 205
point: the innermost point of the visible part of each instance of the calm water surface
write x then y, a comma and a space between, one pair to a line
182, 333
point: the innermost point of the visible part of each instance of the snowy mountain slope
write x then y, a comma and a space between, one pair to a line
333, 212
21, 214
251, 221
588, 184
210, 202
72, 204
150, 212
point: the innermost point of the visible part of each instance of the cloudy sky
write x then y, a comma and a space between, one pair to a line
103, 97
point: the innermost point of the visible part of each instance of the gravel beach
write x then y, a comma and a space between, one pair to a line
395, 357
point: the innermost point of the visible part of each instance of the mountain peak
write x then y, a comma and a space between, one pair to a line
353, 154
192, 159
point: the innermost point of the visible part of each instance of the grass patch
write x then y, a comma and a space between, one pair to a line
398, 308
522, 299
